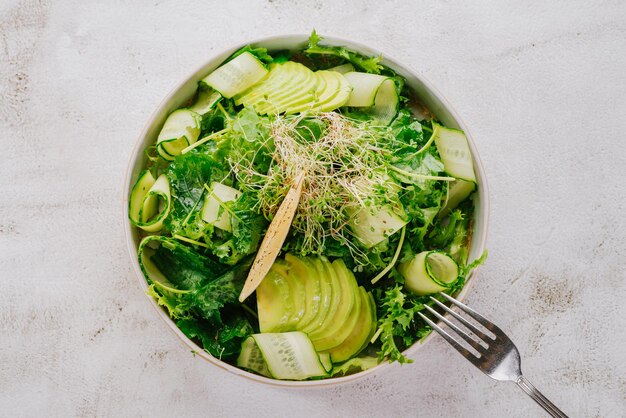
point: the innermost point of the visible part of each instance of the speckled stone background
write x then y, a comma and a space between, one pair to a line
542, 86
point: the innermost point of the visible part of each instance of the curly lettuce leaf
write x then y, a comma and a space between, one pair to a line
260, 53
398, 314
367, 64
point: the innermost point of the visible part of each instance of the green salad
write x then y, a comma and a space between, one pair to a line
296, 214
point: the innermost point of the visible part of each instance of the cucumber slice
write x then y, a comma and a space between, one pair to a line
374, 225
454, 152
180, 130
150, 202
376, 91
364, 88
429, 272
386, 102
236, 75
290, 355
205, 102
251, 358
214, 211
458, 191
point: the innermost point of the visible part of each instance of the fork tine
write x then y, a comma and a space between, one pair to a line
475, 344
464, 352
478, 317
464, 321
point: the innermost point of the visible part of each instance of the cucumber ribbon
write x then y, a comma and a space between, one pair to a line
150, 202
286, 355
429, 272
375, 91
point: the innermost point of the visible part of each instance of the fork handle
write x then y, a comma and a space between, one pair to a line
538, 397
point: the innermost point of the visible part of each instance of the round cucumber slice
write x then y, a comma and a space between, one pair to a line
429, 272
386, 102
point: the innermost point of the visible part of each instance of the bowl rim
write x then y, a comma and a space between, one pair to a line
294, 39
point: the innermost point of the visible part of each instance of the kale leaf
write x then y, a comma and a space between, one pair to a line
223, 342
187, 175
182, 265
208, 310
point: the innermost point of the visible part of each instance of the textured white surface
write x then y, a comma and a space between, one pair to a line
542, 86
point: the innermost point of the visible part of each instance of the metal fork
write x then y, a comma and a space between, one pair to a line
496, 355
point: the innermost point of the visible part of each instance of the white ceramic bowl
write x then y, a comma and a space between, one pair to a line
426, 94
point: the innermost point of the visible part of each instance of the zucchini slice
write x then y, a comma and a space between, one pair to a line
454, 152
180, 130
150, 202
237, 75
287, 356
429, 272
